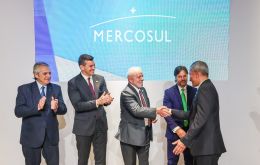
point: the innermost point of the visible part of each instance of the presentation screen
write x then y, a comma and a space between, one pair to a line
156, 35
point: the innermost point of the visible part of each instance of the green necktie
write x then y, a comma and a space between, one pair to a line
184, 103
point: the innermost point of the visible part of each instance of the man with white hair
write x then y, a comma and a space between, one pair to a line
135, 128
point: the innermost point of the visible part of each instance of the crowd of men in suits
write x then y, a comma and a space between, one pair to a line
191, 114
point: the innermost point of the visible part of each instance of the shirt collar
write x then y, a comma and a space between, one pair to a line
40, 85
185, 88
86, 77
137, 89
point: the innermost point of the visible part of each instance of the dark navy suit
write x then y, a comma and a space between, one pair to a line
39, 128
172, 99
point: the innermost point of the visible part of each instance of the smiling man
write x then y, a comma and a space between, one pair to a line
38, 103
88, 94
135, 128
179, 97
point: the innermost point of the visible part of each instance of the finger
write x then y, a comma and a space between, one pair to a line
52, 98
175, 142
154, 121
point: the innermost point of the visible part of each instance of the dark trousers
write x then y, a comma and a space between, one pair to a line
206, 160
173, 159
129, 153
99, 141
33, 155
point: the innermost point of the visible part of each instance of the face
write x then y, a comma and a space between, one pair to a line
88, 69
194, 78
181, 78
137, 79
43, 76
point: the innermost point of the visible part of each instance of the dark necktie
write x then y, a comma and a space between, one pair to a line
42, 91
91, 87
142, 98
148, 122
185, 108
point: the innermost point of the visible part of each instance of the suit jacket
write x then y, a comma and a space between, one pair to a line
84, 103
204, 136
132, 129
172, 99
37, 124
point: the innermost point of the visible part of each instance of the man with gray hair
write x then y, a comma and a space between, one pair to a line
204, 136
135, 128
38, 103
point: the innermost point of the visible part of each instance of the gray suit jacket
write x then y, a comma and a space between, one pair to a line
132, 129
86, 112
204, 136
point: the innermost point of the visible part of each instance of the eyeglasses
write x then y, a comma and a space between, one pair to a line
45, 73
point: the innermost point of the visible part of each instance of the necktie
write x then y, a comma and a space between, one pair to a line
184, 103
148, 122
91, 88
142, 98
42, 91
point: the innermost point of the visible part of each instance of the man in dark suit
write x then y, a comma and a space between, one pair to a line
204, 136
179, 97
38, 103
88, 94
135, 128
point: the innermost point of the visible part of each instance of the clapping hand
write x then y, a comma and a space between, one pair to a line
105, 99
41, 103
54, 104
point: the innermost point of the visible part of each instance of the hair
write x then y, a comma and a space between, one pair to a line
200, 66
133, 70
37, 65
83, 58
178, 69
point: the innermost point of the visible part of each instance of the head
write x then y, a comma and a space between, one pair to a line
135, 76
198, 72
42, 73
86, 64
181, 76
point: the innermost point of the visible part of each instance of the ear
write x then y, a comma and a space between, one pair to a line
81, 67
35, 75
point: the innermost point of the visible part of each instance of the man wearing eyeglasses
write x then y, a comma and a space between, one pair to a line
38, 103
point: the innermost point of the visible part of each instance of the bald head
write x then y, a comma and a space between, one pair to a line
135, 76
134, 70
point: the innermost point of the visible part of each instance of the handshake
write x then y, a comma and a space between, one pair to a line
163, 111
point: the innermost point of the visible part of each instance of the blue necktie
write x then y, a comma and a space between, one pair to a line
42, 92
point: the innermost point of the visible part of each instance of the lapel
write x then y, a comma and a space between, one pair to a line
178, 94
189, 95
49, 93
145, 97
96, 85
83, 85
135, 94
36, 96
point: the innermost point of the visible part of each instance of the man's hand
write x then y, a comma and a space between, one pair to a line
54, 104
163, 111
105, 98
180, 132
41, 103
179, 148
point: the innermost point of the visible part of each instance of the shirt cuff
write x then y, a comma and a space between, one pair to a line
96, 104
175, 129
